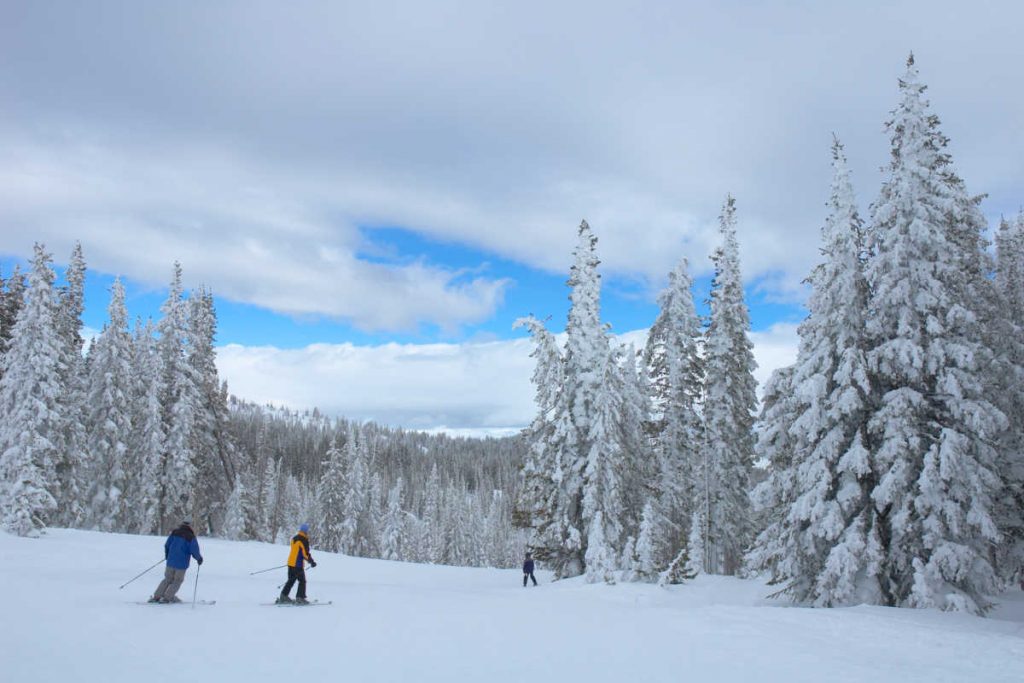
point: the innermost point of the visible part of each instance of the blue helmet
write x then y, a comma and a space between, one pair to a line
304, 528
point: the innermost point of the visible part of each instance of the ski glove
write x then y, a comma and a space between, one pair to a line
312, 563
199, 561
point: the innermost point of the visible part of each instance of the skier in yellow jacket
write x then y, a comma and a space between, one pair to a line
299, 553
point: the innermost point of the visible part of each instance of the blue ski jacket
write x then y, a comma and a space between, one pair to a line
528, 567
180, 545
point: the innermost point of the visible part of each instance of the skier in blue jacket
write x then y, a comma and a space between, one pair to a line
528, 570
178, 548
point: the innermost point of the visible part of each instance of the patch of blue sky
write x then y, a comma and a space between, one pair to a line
626, 303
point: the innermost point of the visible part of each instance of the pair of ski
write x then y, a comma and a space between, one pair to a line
311, 603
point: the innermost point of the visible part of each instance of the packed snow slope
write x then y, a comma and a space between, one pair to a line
66, 620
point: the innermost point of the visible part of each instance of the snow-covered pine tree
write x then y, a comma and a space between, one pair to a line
813, 431
646, 552
374, 513
675, 368
534, 508
586, 353
602, 492
73, 463
637, 468
31, 424
234, 527
331, 496
722, 473
12, 295
109, 420
933, 429
179, 405
393, 538
211, 447
1009, 383
600, 556
432, 517
354, 496
145, 455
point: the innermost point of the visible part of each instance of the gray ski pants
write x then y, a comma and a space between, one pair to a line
173, 578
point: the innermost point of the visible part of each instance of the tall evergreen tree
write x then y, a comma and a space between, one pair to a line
1009, 387
730, 399
331, 496
109, 424
933, 429
73, 462
31, 424
212, 451
145, 456
602, 483
179, 405
534, 509
672, 356
818, 540
12, 296
586, 353
393, 536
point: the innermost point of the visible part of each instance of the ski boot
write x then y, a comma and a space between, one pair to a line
283, 600
154, 600
301, 601
170, 601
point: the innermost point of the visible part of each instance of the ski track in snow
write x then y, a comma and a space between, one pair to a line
66, 620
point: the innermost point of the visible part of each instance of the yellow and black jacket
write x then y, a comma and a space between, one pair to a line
299, 551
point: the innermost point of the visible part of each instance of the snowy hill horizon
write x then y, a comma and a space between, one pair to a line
393, 621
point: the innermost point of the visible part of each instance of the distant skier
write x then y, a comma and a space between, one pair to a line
178, 548
528, 570
296, 572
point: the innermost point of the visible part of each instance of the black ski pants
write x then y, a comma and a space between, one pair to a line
529, 576
295, 574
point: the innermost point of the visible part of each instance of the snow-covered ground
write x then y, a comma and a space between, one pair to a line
65, 620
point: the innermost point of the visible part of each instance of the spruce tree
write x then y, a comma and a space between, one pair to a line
393, 538
73, 462
31, 423
12, 296
212, 451
145, 456
1009, 387
109, 424
673, 359
817, 541
179, 406
331, 496
602, 491
723, 470
586, 354
933, 428
535, 506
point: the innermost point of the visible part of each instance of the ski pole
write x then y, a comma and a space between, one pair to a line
268, 570
195, 590
138, 575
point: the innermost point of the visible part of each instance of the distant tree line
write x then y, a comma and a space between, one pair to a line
136, 432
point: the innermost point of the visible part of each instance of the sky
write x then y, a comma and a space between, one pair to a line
375, 192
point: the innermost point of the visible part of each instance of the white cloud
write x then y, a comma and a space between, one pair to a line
457, 386
251, 148
463, 389
246, 237
774, 348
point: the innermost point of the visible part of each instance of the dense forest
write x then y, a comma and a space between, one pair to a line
136, 431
